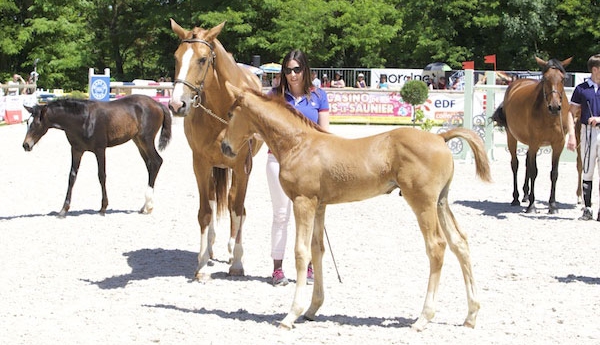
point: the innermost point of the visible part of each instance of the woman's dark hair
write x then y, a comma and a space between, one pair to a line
302, 60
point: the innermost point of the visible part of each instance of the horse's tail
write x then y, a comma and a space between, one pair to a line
165, 133
221, 180
482, 164
499, 117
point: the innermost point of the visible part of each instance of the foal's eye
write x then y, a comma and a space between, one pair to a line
230, 114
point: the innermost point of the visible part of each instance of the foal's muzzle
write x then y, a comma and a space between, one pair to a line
226, 149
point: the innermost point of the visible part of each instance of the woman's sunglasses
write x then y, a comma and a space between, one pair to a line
296, 70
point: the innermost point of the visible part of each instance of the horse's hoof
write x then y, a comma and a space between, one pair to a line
236, 272
552, 211
309, 317
202, 277
515, 203
285, 326
469, 324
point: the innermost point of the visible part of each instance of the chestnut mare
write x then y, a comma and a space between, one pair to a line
536, 113
319, 168
94, 126
202, 67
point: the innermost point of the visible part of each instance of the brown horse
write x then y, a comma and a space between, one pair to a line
536, 113
319, 168
202, 67
94, 126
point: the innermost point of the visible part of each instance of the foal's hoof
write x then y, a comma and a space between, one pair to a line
146, 210
202, 277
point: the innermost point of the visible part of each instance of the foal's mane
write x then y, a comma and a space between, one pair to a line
72, 106
280, 101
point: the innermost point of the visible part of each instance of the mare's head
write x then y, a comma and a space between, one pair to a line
553, 87
194, 64
37, 125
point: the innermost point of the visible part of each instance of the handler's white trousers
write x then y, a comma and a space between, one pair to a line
590, 151
282, 206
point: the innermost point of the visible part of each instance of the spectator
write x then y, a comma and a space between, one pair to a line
383, 83
15, 81
441, 84
315, 80
338, 82
325, 82
360, 81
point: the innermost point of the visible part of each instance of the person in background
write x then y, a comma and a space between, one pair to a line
338, 82
441, 84
276, 80
297, 89
15, 81
325, 82
315, 80
360, 81
383, 83
585, 100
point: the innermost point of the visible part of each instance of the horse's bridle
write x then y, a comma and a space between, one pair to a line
198, 90
560, 94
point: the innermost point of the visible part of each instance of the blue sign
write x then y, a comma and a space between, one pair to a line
100, 88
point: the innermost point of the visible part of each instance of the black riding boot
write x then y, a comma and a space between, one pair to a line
587, 200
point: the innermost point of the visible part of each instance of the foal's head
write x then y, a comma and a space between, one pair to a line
37, 126
553, 88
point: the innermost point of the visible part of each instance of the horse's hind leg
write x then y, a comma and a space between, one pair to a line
511, 142
532, 172
153, 163
459, 245
75, 162
435, 246
317, 250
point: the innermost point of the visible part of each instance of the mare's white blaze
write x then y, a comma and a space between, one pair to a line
183, 71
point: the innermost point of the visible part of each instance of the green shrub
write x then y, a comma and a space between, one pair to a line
414, 92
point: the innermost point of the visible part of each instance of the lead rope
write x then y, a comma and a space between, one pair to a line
588, 144
332, 257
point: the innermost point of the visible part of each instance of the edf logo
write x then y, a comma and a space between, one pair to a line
444, 103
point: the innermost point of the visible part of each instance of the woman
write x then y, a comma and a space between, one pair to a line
383, 83
297, 89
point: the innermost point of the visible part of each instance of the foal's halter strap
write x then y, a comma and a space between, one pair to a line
560, 94
198, 90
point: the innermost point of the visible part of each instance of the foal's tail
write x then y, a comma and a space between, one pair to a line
482, 164
165, 133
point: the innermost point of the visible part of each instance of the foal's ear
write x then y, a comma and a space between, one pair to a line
233, 91
29, 109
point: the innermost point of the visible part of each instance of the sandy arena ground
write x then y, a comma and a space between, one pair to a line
126, 278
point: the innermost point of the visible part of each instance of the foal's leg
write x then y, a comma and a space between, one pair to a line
101, 158
75, 162
459, 245
304, 213
317, 250
435, 245
153, 163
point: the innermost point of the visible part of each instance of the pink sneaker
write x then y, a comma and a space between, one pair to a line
279, 278
310, 279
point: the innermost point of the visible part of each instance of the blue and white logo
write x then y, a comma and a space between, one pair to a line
99, 90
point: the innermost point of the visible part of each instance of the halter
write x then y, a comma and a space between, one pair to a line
198, 90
